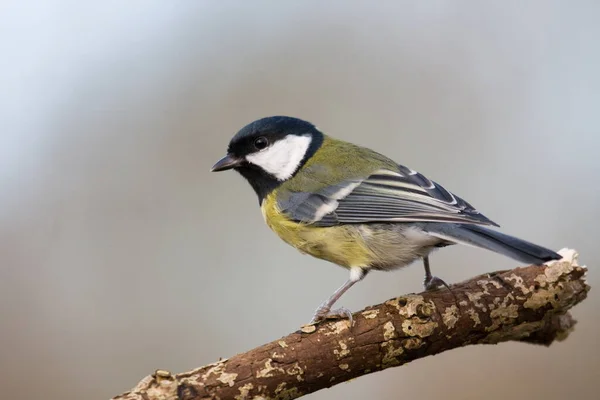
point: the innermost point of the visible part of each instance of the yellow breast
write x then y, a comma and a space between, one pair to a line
342, 245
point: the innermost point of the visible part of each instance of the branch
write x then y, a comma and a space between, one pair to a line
526, 304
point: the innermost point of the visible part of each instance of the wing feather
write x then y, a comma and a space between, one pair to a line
384, 196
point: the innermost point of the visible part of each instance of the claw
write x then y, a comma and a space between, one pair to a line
324, 313
433, 282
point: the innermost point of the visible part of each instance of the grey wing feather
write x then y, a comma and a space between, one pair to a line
384, 196
317, 208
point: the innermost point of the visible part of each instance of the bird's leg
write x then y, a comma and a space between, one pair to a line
431, 282
325, 312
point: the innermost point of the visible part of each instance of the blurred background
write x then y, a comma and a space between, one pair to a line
120, 253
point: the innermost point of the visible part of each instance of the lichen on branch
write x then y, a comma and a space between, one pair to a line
528, 304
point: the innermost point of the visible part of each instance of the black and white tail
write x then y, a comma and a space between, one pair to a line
479, 236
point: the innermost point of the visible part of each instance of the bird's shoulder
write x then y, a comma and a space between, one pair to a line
337, 161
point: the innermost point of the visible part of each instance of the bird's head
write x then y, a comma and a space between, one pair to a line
270, 151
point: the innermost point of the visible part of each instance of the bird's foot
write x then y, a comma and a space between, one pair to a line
323, 312
433, 282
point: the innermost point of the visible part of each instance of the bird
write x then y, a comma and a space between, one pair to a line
355, 207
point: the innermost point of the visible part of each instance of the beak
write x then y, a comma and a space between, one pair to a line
226, 163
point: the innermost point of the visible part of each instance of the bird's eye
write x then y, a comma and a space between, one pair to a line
261, 143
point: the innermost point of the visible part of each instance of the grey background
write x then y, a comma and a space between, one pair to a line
120, 253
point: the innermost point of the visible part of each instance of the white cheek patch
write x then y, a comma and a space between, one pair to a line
282, 158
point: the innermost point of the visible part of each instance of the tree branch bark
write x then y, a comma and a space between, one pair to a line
526, 304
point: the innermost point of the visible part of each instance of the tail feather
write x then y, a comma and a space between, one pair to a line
479, 236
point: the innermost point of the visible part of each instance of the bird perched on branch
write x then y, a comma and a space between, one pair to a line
355, 207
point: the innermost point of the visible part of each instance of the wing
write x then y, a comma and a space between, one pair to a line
384, 196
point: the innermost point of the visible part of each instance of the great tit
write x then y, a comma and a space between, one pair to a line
355, 207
